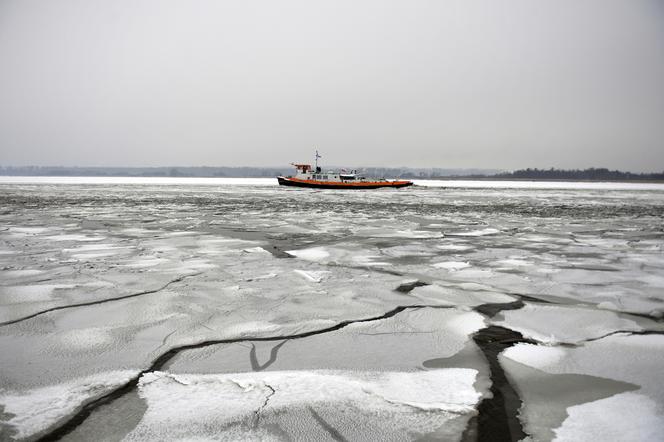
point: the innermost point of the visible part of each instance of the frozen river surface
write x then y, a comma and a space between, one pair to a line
238, 310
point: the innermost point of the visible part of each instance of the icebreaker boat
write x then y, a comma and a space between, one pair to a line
306, 176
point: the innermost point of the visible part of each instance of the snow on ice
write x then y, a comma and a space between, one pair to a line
236, 309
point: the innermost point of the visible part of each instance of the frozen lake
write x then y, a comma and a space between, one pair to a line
178, 308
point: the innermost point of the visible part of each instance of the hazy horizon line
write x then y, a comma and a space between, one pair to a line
289, 166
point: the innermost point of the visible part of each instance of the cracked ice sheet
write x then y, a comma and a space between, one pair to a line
401, 342
228, 305
19, 301
462, 295
554, 324
584, 245
615, 277
30, 412
292, 404
604, 390
79, 342
113, 276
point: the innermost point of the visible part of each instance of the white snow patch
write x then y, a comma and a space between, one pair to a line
261, 277
313, 254
453, 247
398, 233
535, 355
75, 237
35, 410
28, 230
514, 262
474, 273
85, 256
146, 262
94, 248
451, 265
368, 261
474, 286
408, 250
221, 406
312, 276
93, 251
481, 232
625, 417
137, 231
255, 250
456, 392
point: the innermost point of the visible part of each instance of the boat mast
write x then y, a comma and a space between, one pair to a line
317, 156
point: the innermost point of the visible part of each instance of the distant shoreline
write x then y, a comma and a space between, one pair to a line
474, 178
418, 178
409, 173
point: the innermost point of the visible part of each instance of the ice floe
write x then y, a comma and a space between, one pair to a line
312, 254
626, 417
312, 276
480, 232
357, 405
32, 411
606, 388
451, 265
568, 324
458, 297
399, 343
74, 237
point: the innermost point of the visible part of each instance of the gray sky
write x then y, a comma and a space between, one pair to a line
469, 83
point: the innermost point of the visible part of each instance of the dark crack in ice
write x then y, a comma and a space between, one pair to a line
100, 301
497, 418
72, 422
259, 411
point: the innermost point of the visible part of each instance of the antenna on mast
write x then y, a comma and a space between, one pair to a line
317, 156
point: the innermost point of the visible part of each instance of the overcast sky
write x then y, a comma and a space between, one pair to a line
469, 83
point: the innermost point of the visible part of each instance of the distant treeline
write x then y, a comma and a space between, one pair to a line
591, 174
